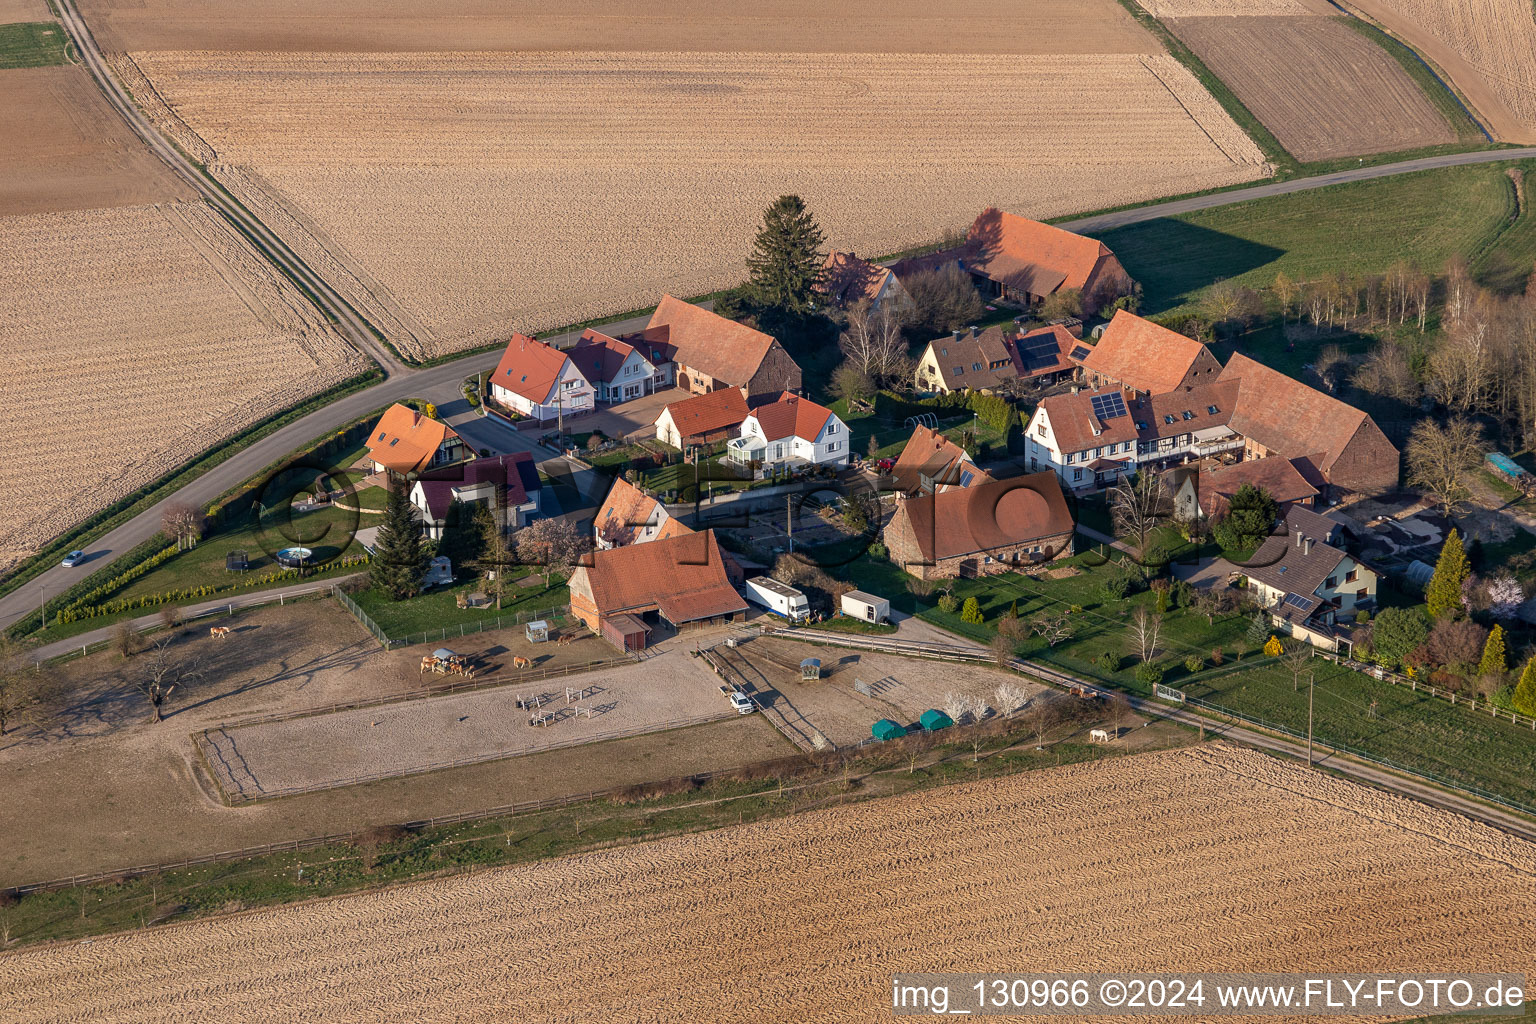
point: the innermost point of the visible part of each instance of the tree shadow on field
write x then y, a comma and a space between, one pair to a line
1174, 259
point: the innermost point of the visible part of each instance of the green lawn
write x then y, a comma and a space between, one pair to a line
708, 477
438, 609
1414, 730
1360, 227
33, 44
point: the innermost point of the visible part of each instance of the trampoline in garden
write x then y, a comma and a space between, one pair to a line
237, 561
933, 720
885, 729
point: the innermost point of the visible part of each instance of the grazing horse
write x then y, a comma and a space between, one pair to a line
427, 662
518, 661
218, 631
565, 638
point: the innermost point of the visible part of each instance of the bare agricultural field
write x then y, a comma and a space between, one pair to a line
1323, 90
134, 338
13, 11
66, 149
1234, 8
856, 26
464, 196
1485, 46
807, 917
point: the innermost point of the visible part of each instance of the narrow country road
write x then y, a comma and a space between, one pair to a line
440, 383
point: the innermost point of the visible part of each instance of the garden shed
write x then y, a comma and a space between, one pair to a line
885, 729
933, 720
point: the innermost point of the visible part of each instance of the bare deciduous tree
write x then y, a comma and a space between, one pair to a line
873, 342
955, 705
164, 672
1296, 655
22, 686
182, 523
1329, 364
554, 545
1053, 627
1043, 715
1002, 649
1144, 632
1386, 372
1009, 698
1441, 459
1119, 710
1139, 505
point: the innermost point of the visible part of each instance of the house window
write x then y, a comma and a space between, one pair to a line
1039, 429
1096, 452
1361, 595
1351, 576
831, 447
1034, 464
831, 429
959, 371
1068, 459
1077, 474
1331, 582
977, 367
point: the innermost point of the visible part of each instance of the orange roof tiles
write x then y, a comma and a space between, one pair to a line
684, 577
848, 279
599, 357
529, 368
405, 441
709, 414
1030, 256
1144, 356
992, 515
702, 340
930, 454
792, 417
1276, 476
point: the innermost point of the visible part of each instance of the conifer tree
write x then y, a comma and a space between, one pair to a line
1525, 690
1451, 571
399, 557
787, 256
1493, 662
1258, 630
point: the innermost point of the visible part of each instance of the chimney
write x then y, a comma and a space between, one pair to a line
1298, 538
959, 335
1306, 545
973, 330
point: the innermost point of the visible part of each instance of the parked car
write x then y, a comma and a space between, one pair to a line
740, 701
73, 559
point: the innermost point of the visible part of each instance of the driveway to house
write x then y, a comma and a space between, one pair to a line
443, 380
619, 421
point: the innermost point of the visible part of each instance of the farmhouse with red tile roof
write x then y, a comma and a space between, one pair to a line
987, 528
702, 419
788, 431
405, 441
1279, 415
618, 368
932, 462
536, 379
1138, 355
507, 484
630, 516
626, 592
848, 280
713, 353
995, 358
1208, 489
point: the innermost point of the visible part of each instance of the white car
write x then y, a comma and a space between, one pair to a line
73, 559
741, 703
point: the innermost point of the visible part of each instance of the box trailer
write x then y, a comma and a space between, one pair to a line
858, 604
777, 597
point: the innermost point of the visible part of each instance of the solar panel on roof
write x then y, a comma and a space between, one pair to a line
1038, 352
1107, 407
1297, 601
1080, 352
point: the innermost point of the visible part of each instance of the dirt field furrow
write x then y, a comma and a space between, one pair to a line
1324, 90
1062, 869
531, 171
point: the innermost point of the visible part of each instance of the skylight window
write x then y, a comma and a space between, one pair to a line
1188, 415
1167, 419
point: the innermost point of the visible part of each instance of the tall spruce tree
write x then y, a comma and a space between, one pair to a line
399, 557
786, 259
1524, 698
1258, 630
1451, 571
1493, 662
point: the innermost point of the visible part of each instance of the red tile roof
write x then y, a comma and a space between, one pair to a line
709, 414
930, 454
1073, 421
848, 279
599, 357
684, 577
985, 358
627, 509
724, 349
1294, 420
792, 417
405, 441
1065, 343
1143, 356
516, 472
992, 515
1276, 476
529, 368
1027, 255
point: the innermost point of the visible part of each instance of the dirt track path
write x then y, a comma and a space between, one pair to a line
807, 917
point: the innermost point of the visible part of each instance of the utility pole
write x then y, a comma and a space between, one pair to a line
789, 520
1311, 686
42, 606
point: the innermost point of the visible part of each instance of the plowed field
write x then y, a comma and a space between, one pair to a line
1323, 90
134, 338
1207, 859
458, 197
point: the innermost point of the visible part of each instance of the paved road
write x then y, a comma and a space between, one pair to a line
1109, 221
440, 383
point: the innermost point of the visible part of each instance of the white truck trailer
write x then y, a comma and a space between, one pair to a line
780, 598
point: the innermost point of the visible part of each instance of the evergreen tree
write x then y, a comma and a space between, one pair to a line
1258, 630
971, 611
399, 556
1524, 698
786, 259
1251, 514
1451, 571
1493, 663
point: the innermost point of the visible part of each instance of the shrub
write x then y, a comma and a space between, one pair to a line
877, 550
1273, 647
1362, 616
1148, 674
948, 603
1216, 656
1194, 663
1109, 661
971, 612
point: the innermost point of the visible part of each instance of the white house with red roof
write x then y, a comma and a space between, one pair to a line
791, 431
618, 370
507, 484
537, 380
